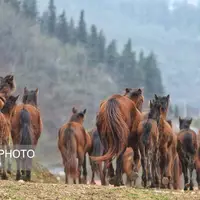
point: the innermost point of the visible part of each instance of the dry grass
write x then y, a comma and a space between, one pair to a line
22, 191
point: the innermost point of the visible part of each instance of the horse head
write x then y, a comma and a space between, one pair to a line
30, 96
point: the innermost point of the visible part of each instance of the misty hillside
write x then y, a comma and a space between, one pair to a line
173, 37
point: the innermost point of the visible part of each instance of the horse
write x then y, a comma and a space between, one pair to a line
96, 149
26, 126
7, 111
7, 87
167, 143
148, 142
5, 130
197, 161
129, 166
187, 148
117, 122
74, 142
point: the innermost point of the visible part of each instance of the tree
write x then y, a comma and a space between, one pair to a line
51, 18
30, 8
101, 47
72, 32
111, 56
93, 46
82, 33
62, 29
15, 4
44, 22
153, 80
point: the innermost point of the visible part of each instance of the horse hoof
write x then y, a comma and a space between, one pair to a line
112, 181
165, 181
92, 183
9, 172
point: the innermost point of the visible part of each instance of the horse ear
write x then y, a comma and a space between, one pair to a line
156, 97
128, 90
74, 110
25, 90
168, 96
180, 119
150, 104
84, 111
140, 91
190, 120
16, 98
1, 78
37, 90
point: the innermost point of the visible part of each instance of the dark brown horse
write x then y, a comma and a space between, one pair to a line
74, 142
187, 149
167, 144
117, 121
26, 130
197, 161
96, 149
7, 110
148, 142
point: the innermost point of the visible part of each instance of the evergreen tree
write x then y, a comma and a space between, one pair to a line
153, 81
62, 29
93, 46
72, 32
30, 8
112, 57
44, 22
51, 18
82, 32
127, 65
101, 47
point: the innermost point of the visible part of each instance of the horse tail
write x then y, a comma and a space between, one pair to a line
188, 143
177, 172
25, 131
113, 130
69, 151
146, 133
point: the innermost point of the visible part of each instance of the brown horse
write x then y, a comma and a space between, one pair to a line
197, 161
117, 121
129, 166
7, 87
96, 149
74, 142
26, 130
167, 144
5, 131
7, 110
148, 142
187, 148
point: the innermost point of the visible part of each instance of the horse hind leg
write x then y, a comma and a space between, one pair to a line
3, 158
9, 169
191, 168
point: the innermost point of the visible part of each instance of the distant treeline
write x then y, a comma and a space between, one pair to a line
126, 67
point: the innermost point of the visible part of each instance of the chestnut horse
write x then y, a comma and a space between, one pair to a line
74, 142
129, 166
148, 142
5, 130
7, 110
26, 130
167, 144
117, 122
187, 148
